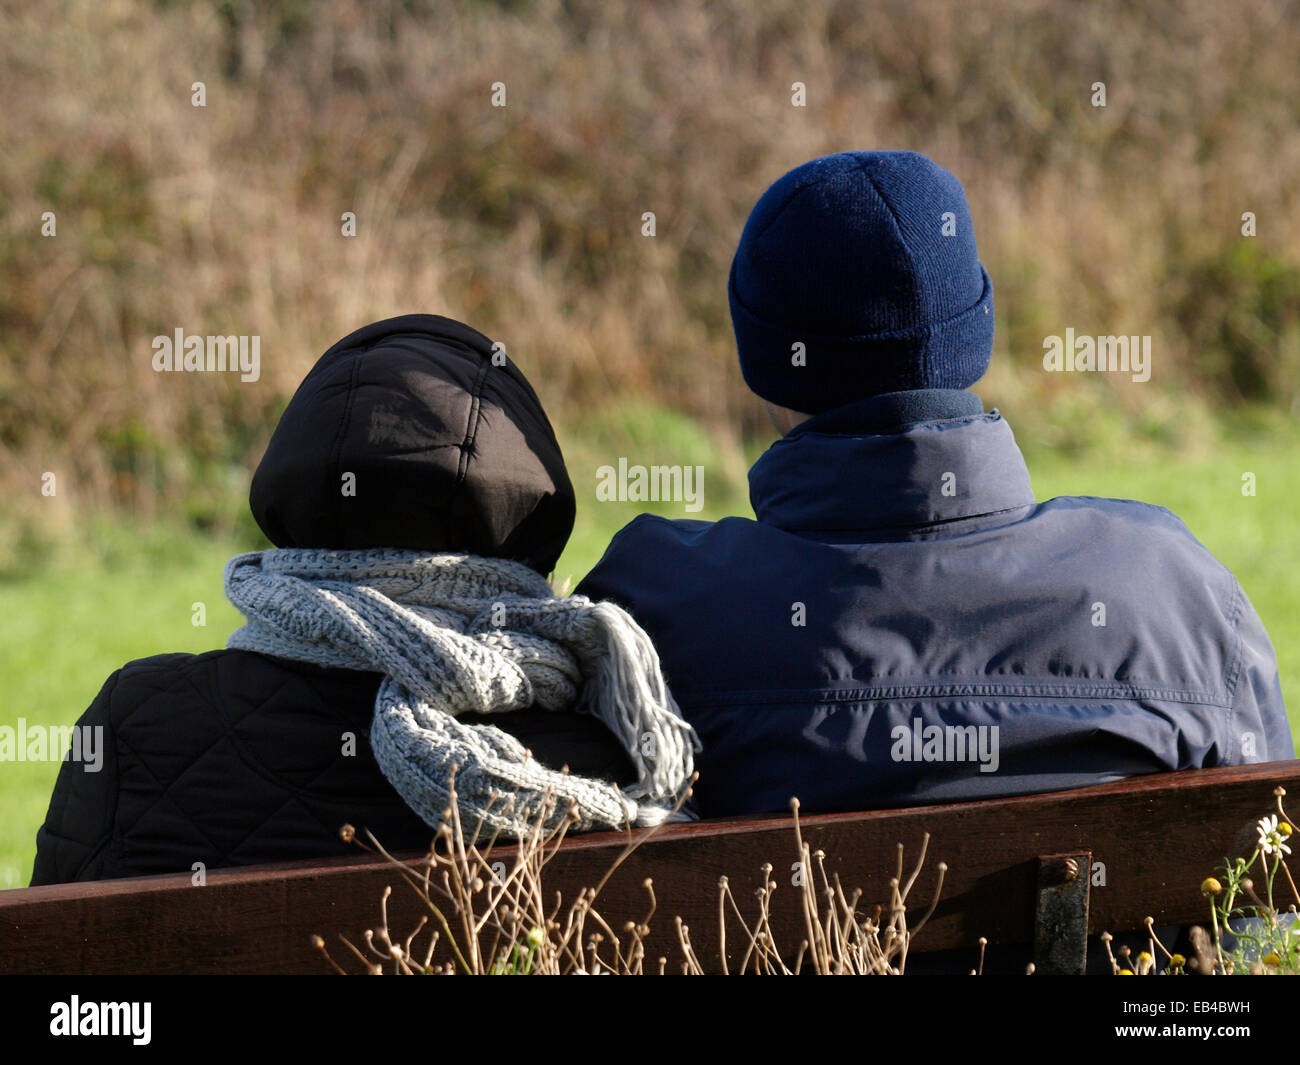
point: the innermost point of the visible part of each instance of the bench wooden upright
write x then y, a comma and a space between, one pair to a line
1141, 847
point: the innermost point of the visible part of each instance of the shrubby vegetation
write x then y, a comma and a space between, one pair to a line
526, 220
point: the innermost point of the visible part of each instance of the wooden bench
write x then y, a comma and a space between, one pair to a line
1143, 847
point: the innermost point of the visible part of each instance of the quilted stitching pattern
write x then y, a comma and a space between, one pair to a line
226, 758
235, 758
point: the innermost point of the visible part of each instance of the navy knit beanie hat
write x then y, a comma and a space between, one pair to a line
868, 260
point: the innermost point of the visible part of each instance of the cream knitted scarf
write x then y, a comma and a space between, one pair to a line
457, 634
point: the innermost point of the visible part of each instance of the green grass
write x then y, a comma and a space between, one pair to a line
64, 629
645, 435
64, 632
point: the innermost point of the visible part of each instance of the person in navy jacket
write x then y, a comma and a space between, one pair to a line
903, 622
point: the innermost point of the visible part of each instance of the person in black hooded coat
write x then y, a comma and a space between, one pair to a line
410, 433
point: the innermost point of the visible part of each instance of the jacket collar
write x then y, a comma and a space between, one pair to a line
858, 468
894, 411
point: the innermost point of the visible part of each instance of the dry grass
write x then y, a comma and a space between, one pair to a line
488, 917
525, 220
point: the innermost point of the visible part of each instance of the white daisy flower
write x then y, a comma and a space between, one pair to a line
1270, 838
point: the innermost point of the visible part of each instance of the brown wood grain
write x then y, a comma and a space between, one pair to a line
1158, 837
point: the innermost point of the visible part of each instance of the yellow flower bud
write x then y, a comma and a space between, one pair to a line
1210, 886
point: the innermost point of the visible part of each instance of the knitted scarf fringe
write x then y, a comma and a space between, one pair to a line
457, 634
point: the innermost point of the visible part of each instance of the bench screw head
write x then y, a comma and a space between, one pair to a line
1062, 871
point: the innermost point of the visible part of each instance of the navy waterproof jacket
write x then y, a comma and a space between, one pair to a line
904, 623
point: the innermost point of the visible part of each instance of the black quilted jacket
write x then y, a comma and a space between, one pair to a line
234, 758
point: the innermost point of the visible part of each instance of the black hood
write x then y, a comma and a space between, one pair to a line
448, 451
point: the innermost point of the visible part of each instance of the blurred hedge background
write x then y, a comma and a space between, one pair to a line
525, 221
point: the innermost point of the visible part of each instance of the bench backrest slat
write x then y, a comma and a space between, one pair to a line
1156, 838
